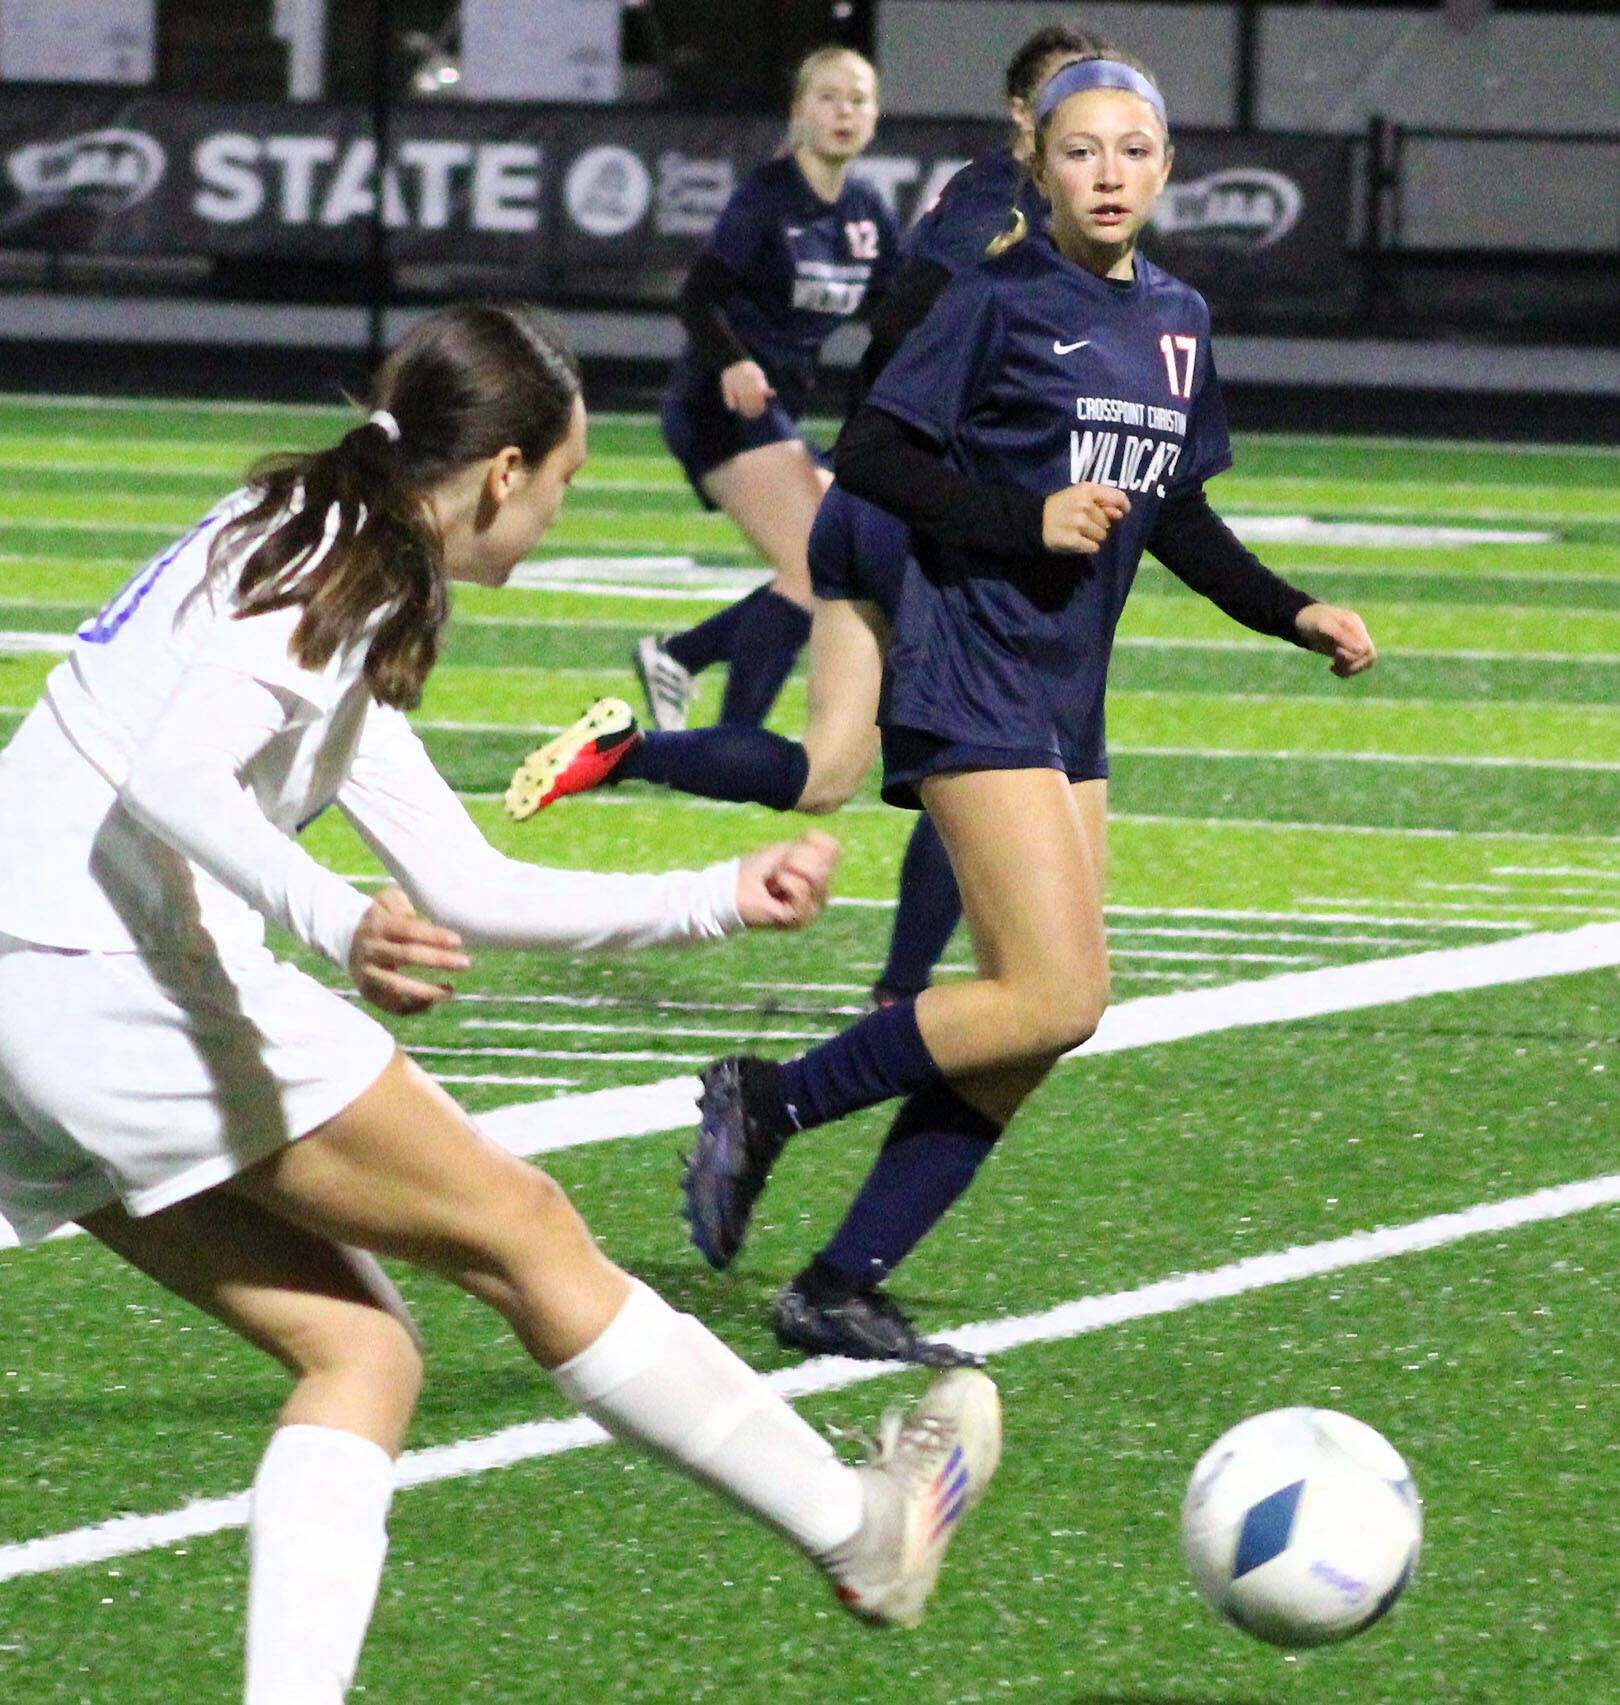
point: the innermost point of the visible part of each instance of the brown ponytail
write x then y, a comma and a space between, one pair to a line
345, 532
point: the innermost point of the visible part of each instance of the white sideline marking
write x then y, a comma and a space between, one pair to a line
1302, 530
579, 1056
1307, 917
125, 1535
1222, 958
17, 644
1553, 870
1441, 905
530, 1128
540, 1127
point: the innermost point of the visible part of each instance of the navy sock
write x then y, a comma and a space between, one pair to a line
710, 640
746, 765
930, 905
878, 1057
936, 1145
764, 648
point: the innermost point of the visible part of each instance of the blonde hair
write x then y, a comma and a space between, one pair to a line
808, 67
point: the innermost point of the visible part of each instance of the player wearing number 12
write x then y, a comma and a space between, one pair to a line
801, 247
1057, 405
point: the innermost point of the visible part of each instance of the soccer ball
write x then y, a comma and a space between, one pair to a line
1301, 1526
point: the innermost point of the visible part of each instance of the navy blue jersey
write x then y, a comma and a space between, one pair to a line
973, 209
858, 551
803, 265
1031, 372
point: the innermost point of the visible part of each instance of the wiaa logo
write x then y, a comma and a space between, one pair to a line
1242, 207
607, 191
107, 170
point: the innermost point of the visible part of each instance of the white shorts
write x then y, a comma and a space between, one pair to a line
141, 1079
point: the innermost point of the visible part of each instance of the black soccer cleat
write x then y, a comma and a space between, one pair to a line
868, 1326
741, 1131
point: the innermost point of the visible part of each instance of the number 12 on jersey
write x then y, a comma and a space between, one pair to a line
1170, 347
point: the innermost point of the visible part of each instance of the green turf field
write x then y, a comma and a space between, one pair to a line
1267, 819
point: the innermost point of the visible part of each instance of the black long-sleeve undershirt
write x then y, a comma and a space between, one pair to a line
1198, 547
899, 311
701, 309
900, 469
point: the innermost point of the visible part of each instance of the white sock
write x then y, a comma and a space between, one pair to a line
664, 1380
317, 1537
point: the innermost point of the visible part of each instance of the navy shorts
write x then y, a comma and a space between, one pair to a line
702, 432
858, 552
911, 755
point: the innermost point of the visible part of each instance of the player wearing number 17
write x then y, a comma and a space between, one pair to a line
1057, 406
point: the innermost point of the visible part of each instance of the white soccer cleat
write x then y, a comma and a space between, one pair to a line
668, 685
929, 1469
580, 758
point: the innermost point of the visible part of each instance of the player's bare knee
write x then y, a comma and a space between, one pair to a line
541, 1223
370, 1341
825, 794
1064, 1014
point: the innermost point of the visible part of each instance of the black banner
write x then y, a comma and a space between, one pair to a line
543, 191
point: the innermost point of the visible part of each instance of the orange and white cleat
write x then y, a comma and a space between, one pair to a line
578, 759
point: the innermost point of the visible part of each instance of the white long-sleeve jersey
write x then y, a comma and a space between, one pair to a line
151, 799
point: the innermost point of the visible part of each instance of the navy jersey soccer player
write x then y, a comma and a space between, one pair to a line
973, 209
1057, 408
1032, 372
801, 247
801, 267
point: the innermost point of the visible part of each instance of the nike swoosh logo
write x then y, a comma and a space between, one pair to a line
1068, 348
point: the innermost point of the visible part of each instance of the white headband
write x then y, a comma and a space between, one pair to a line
381, 417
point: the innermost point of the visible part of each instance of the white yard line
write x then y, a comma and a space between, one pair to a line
501, 1077
751, 1009
1323, 939
124, 1535
756, 1032
1115, 953
1553, 870
1494, 761
540, 1127
1452, 905
1498, 924
1281, 826
641, 1109
580, 1056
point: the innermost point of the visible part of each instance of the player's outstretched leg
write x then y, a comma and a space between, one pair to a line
747, 1112
403, 1170
934, 1150
581, 757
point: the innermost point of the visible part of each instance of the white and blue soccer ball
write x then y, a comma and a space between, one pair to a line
1301, 1526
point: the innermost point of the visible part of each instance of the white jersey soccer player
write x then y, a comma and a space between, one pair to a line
170, 715
242, 1133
